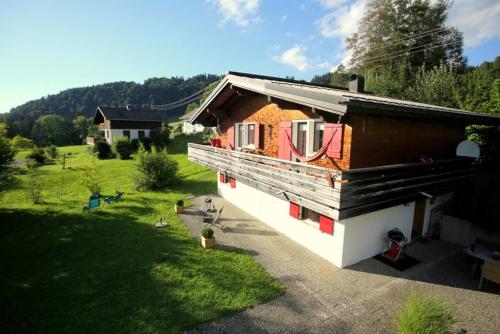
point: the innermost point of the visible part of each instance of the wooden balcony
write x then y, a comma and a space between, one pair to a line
335, 193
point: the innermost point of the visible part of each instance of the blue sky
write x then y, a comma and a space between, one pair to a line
48, 46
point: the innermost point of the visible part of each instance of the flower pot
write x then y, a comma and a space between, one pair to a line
179, 209
207, 243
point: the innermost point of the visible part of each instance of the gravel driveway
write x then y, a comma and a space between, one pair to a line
362, 298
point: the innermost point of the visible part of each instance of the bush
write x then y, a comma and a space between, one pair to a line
154, 170
38, 155
135, 143
179, 203
92, 178
7, 155
35, 189
159, 137
52, 151
207, 233
421, 314
21, 142
102, 149
123, 147
177, 129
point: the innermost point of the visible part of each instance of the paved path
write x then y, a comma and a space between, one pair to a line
322, 298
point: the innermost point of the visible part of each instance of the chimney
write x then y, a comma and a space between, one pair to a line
356, 83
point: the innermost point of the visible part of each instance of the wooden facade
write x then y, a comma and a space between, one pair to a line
268, 115
367, 141
392, 152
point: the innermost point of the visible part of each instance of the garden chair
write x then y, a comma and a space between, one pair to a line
94, 203
491, 272
214, 220
207, 206
112, 199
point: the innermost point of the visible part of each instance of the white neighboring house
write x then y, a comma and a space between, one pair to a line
126, 122
188, 127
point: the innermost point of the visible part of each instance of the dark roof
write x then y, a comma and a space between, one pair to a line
124, 114
339, 101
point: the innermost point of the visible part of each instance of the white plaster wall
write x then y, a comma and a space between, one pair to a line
461, 231
114, 133
134, 134
431, 205
275, 213
364, 234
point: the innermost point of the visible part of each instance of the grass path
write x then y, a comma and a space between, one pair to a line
109, 271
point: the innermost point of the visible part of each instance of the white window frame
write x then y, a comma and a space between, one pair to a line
244, 142
311, 133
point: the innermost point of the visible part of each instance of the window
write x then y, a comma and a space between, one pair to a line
302, 138
141, 134
310, 215
244, 134
318, 136
311, 218
250, 134
308, 136
126, 133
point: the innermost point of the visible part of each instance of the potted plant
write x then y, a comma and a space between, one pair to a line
179, 206
207, 238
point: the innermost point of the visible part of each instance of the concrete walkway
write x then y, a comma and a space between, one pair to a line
322, 298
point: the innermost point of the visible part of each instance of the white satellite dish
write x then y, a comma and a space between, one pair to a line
468, 149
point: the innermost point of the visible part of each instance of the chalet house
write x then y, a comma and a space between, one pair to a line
187, 126
127, 122
333, 169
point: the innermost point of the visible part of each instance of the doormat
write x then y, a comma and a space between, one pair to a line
401, 264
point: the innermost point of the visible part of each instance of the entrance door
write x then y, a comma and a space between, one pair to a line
418, 218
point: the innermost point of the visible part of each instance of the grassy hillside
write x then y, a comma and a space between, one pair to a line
110, 271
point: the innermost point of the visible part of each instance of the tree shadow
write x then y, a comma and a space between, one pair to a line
111, 272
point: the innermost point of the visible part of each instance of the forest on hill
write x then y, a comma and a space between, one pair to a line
83, 101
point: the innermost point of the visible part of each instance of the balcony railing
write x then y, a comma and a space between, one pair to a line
331, 192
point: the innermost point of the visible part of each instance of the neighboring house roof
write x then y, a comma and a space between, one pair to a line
188, 115
334, 100
128, 114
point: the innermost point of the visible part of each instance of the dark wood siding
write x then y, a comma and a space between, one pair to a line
378, 141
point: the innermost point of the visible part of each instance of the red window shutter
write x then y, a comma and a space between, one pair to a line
222, 177
326, 224
232, 182
256, 140
230, 138
294, 210
335, 148
284, 151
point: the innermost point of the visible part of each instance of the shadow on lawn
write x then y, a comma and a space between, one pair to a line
107, 272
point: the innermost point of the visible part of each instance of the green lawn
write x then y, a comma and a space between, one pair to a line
109, 271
